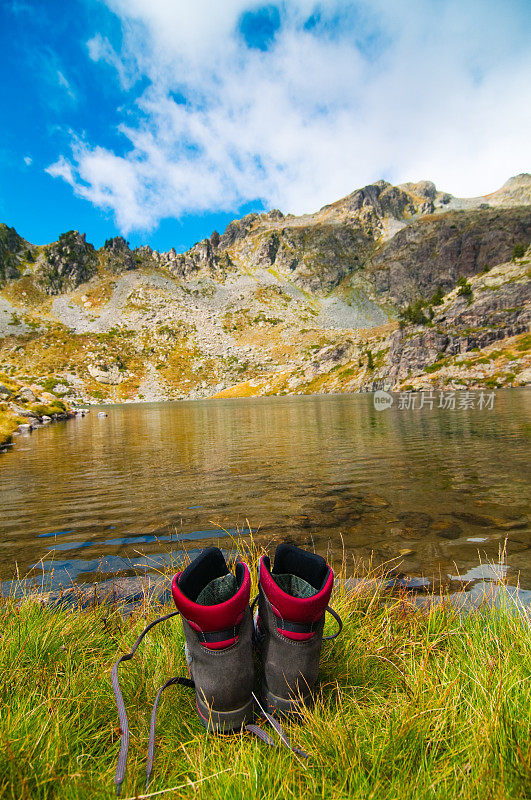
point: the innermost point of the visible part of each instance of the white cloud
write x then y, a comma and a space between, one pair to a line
62, 169
100, 49
394, 90
62, 81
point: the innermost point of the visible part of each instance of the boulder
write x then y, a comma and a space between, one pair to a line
106, 373
375, 501
5, 393
26, 394
20, 411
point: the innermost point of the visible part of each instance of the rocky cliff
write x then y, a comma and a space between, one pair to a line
387, 286
14, 252
439, 249
65, 264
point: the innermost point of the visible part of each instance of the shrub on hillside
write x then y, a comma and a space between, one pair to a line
465, 289
518, 251
414, 313
437, 297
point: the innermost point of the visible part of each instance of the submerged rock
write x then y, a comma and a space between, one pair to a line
375, 501
447, 529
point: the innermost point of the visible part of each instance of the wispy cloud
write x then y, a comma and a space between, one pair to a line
62, 81
62, 169
100, 49
302, 107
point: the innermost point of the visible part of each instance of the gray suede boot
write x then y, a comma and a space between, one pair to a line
217, 622
293, 599
214, 606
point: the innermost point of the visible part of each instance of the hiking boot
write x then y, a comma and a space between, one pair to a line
293, 598
217, 622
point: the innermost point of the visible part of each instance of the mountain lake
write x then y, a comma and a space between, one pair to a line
433, 493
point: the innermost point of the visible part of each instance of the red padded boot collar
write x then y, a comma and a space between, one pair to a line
295, 609
218, 617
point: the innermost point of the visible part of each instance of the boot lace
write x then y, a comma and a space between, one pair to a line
121, 764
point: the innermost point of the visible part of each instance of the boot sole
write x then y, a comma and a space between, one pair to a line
283, 707
224, 721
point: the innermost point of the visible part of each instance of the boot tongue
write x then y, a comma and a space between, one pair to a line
218, 590
293, 585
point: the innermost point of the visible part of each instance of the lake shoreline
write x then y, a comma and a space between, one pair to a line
127, 594
25, 407
13, 424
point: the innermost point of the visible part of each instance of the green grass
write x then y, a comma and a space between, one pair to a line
412, 704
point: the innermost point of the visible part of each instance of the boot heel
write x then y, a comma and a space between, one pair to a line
224, 721
281, 707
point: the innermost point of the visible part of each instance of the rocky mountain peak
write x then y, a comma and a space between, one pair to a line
117, 243
235, 230
425, 189
120, 257
281, 303
275, 214
316, 252
515, 191
518, 181
377, 202
66, 263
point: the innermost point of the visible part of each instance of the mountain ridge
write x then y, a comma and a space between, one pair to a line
265, 296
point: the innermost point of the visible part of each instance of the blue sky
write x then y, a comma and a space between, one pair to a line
163, 120
52, 88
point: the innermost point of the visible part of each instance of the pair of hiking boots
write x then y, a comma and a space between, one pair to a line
220, 633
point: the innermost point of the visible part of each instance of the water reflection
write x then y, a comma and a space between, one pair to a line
422, 490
